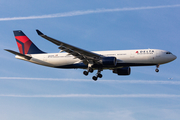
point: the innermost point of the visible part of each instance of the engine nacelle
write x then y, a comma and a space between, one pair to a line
108, 61
123, 71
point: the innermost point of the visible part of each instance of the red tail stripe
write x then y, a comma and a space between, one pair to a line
22, 38
26, 43
27, 46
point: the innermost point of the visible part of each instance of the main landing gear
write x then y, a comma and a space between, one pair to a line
98, 74
87, 72
157, 70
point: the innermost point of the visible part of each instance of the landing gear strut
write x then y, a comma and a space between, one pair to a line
90, 70
157, 70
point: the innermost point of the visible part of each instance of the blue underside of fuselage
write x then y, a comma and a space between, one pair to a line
83, 66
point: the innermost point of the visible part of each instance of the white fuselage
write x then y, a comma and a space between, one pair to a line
124, 58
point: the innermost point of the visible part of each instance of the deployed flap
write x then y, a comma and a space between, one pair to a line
19, 54
72, 50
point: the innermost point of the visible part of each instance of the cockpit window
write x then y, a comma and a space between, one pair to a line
168, 53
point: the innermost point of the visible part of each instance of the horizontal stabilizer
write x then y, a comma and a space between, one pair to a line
19, 54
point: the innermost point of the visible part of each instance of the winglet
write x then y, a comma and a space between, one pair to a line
39, 32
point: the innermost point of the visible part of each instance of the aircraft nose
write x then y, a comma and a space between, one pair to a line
174, 57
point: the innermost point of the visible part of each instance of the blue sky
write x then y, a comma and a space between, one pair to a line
68, 94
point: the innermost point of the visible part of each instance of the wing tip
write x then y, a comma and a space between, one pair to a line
7, 50
39, 32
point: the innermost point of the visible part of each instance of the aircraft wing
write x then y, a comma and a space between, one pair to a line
72, 50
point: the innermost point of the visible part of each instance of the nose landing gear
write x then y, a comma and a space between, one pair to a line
157, 70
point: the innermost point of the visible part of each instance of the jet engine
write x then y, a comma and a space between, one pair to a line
108, 61
122, 71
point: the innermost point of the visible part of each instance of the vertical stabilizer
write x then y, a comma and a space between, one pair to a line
25, 45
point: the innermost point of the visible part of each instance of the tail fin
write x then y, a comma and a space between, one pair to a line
25, 45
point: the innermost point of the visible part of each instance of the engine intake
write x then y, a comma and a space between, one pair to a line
108, 61
122, 71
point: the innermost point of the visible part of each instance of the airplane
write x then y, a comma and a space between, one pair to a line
71, 57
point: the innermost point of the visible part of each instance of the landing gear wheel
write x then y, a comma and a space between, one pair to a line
99, 75
85, 73
157, 70
94, 78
